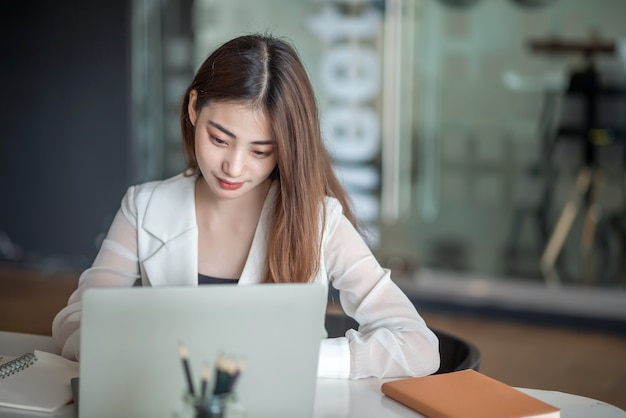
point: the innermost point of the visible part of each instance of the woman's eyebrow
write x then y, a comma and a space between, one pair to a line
232, 135
221, 128
262, 142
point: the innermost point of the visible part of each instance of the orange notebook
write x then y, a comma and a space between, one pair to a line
466, 393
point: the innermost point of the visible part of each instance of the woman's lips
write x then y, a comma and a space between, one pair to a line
228, 185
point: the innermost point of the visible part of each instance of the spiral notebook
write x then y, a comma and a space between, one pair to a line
37, 381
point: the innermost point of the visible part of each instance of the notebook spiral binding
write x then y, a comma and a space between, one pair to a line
17, 365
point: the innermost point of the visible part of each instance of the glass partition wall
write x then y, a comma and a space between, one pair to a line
467, 135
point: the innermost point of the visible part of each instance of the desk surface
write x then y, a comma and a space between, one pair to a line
335, 398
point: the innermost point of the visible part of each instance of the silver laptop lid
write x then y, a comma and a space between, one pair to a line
130, 364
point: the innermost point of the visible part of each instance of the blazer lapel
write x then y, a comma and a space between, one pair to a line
171, 256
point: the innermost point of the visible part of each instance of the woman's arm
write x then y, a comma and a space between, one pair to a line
393, 339
115, 265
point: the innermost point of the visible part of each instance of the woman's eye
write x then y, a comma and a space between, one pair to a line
217, 140
260, 153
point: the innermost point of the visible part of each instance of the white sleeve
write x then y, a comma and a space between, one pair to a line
115, 265
393, 339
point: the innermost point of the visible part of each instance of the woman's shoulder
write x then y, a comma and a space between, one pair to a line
168, 185
333, 206
158, 192
333, 211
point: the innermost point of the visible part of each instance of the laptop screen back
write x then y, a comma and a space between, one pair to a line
130, 337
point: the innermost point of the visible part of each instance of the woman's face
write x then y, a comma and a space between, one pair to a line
234, 147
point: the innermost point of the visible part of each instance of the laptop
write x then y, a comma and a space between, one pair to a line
130, 363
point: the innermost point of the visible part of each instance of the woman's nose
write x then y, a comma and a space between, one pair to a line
233, 164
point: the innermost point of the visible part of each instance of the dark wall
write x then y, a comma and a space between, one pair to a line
64, 126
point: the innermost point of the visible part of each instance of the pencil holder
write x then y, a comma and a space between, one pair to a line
189, 407
225, 406
217, 406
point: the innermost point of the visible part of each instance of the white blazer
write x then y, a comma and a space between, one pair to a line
164, 215
392, 339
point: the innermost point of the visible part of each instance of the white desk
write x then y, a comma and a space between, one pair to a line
335, 398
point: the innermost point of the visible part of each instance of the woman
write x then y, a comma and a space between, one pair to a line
258, 203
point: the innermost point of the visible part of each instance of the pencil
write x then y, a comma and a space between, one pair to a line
226, 373
204, 378
223, 375
184, 356
240, 365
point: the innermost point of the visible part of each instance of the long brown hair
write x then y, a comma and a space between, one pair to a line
266, 72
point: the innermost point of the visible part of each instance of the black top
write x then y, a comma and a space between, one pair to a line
202, 279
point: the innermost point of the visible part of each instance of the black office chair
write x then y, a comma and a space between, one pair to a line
456, 353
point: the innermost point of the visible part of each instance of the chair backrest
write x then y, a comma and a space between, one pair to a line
456, 353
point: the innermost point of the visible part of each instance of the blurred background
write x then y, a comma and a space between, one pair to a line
482, 141
484, 138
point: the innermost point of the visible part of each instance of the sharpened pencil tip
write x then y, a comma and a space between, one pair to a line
182, 350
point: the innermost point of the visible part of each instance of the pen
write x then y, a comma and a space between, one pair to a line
184, 356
